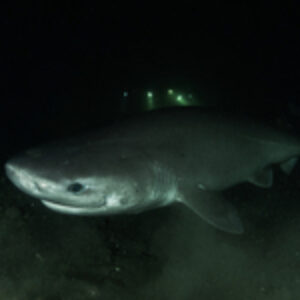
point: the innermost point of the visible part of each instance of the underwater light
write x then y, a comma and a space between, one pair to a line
149, 94
180, 99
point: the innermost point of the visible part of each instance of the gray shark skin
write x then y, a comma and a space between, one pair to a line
186, 155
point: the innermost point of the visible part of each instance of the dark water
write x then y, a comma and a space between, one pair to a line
69, 68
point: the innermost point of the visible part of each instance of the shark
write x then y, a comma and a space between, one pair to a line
187, 155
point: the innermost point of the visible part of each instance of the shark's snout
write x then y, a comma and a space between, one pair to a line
11, 171
20, 177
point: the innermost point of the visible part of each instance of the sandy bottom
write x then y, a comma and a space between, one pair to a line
164, 254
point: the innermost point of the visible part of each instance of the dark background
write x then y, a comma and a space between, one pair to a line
65, 66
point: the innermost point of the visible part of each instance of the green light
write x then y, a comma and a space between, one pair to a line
180, 100
150, 101
170, 92
149, 94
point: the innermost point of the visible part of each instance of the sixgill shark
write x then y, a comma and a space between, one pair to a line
186, 155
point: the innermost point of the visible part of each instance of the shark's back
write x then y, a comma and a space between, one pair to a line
218, 149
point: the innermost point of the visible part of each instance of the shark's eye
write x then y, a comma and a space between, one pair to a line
75, 187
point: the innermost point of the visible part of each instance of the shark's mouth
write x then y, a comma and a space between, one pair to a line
102, 209
74, 210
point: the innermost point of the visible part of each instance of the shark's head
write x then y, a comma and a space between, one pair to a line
85, 179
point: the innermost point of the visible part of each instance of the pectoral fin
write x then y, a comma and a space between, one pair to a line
262, 178
289, 165
215, 210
